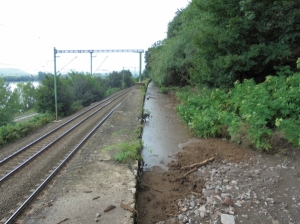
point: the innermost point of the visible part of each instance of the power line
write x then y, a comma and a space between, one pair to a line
67, 64
101, 51
100, 64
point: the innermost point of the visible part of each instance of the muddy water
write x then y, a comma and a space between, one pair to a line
163, 131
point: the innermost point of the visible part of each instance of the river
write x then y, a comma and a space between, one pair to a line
13, 85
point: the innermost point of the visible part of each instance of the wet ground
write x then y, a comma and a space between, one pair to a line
236, 185
163, 135
163, 131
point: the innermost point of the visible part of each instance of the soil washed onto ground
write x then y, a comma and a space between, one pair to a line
190, 180
184, 179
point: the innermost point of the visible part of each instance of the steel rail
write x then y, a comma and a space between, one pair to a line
41, 186
60, 126
50, 144
58, 138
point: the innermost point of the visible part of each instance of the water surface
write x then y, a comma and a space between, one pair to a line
163, 132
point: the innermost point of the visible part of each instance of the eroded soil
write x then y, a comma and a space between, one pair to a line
238, 186
160, 191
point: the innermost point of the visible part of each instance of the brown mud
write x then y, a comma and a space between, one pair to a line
159, 191
169, 194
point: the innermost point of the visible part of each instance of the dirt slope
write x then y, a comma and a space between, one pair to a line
238, 186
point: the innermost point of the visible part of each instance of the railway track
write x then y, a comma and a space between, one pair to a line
26, 171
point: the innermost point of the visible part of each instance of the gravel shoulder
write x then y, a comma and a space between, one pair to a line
238, 186
92, 182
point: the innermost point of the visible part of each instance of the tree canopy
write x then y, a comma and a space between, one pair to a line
219, 42
77, 90
74, 91
9, 103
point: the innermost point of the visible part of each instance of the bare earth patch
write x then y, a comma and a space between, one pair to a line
238, 186
263, 188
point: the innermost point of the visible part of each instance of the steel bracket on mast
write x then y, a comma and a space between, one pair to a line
140, 51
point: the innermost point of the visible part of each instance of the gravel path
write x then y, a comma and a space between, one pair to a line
239, 186
92, 181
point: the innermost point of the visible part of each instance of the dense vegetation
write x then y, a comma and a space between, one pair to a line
13, 131
221, 41
8, 103
248, 112
74, 91
77, 90
237, 59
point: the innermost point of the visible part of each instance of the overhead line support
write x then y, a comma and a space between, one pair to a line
140, 51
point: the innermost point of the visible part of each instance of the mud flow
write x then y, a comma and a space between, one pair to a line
163, 136
189, 180
163, 130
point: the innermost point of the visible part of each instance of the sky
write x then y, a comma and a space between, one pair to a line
29, 31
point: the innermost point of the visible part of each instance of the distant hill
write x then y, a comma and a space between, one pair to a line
13, 72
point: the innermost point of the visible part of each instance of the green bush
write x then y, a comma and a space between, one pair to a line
111, 91
76, 106
126, 151
164, 90
14, 131
248, 110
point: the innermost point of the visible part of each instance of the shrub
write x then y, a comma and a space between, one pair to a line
111, 91
248, 110
14, 131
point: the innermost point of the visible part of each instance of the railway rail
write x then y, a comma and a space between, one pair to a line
27, 167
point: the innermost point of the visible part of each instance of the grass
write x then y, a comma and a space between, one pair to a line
164, 90
129, 150
126, 151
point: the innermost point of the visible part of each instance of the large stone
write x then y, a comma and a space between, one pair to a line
202, 209
192, 204
208, 193
227, 219
234, 182
196, 213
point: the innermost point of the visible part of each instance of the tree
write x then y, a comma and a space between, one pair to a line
175, 26
81, 89
86, 88
41, 75
27, 95
115, 80
245, 39
127, 78
46, 99
145, 75
219, 42
9, 105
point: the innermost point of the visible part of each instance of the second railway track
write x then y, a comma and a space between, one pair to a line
18, 186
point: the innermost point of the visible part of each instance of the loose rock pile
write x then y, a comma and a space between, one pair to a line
247, 192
